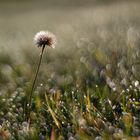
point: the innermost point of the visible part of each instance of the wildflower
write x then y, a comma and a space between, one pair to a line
44, 38
41, 39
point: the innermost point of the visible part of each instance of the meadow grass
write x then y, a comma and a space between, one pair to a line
87, 87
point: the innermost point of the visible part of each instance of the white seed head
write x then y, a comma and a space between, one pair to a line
136, 83
44, 38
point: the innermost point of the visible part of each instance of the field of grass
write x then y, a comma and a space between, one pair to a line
87, 87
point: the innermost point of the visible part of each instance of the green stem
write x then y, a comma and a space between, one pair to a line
33, 86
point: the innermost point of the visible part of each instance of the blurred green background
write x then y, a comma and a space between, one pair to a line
87, 34
69, 20
91, 77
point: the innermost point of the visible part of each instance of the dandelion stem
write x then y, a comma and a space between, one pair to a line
33, 85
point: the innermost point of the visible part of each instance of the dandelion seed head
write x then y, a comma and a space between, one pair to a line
128, 89
136, 83
44, 38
